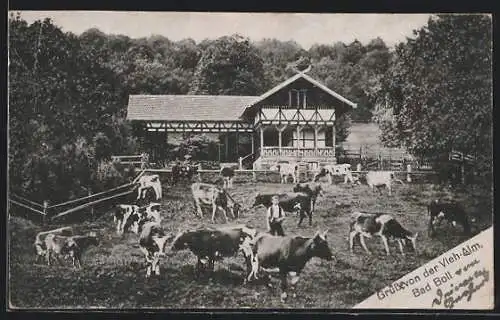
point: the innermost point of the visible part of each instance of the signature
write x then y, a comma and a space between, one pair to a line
448, 300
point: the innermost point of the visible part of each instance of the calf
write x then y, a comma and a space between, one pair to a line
335, 170
41, 248
314, 192
450, 211
211, 244
123, 213
209, 194
383, 225
73, 246
153, 242
78, 244
289, 254
285, 170
289, 202
227, 174
381, 178
147, 182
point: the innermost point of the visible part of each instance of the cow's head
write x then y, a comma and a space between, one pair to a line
259, 199
319, 246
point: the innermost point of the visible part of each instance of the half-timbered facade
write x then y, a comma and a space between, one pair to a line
294, 121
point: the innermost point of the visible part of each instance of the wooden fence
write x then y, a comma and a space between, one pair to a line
139, 161
62, 209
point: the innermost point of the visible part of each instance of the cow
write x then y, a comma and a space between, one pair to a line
41, 248
148, 213
381, 224
147, 182
153, 243
209, 194
73, 246
453, 212
183, 171
209, 244
313, 192
289, 254
289, 202
381, 178
122, 215
285, 170
335, 170
227, 174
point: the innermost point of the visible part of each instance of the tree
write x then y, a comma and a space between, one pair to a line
437, 95
229, 66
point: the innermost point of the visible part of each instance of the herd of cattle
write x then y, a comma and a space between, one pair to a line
263, 252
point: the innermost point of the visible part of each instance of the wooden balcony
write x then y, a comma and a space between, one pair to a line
293, 152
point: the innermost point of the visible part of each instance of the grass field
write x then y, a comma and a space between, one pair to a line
113, 275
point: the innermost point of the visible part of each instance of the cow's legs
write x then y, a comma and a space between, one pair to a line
386, 245
330, 180
390, 188
293, 282
283, 278
352, 235
310, 217
198, 207
400, 242
47, 257
302, 216
156, 266
139, 191
363, 244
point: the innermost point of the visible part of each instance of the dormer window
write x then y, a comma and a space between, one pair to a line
297, 98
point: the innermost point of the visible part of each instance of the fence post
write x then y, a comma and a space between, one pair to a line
44, 216
408, 171
240, 162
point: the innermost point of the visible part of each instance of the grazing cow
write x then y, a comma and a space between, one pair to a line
285, 170
209, 245
153, 243
73, 246
335, 170
289, 254
41, 248
147, 182
381, 178
289, 202
453, 212
123, 213
149, 213
183, 171
227, 174
78, 244
209, 194
383, 225
314, 192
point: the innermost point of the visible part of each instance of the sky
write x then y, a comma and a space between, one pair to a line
305, 28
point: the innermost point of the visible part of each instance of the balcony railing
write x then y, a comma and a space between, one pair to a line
271, 152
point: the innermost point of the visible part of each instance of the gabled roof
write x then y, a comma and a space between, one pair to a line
308, 78
187, 107
206, 107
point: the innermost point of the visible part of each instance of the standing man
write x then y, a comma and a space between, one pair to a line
275, 217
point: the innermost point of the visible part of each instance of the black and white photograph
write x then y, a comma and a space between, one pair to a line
239, 160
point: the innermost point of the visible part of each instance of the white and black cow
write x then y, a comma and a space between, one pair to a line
380, 224
227, 174
335, 170
453, 212
285, 170
123, 213
73, 246
148, 182
209, 194
153, 243
41, 248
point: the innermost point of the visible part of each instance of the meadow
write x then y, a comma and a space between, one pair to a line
113, 274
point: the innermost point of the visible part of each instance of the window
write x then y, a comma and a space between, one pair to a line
297, 98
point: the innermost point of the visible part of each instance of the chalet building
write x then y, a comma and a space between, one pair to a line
294, 121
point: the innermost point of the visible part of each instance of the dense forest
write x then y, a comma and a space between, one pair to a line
68, 93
